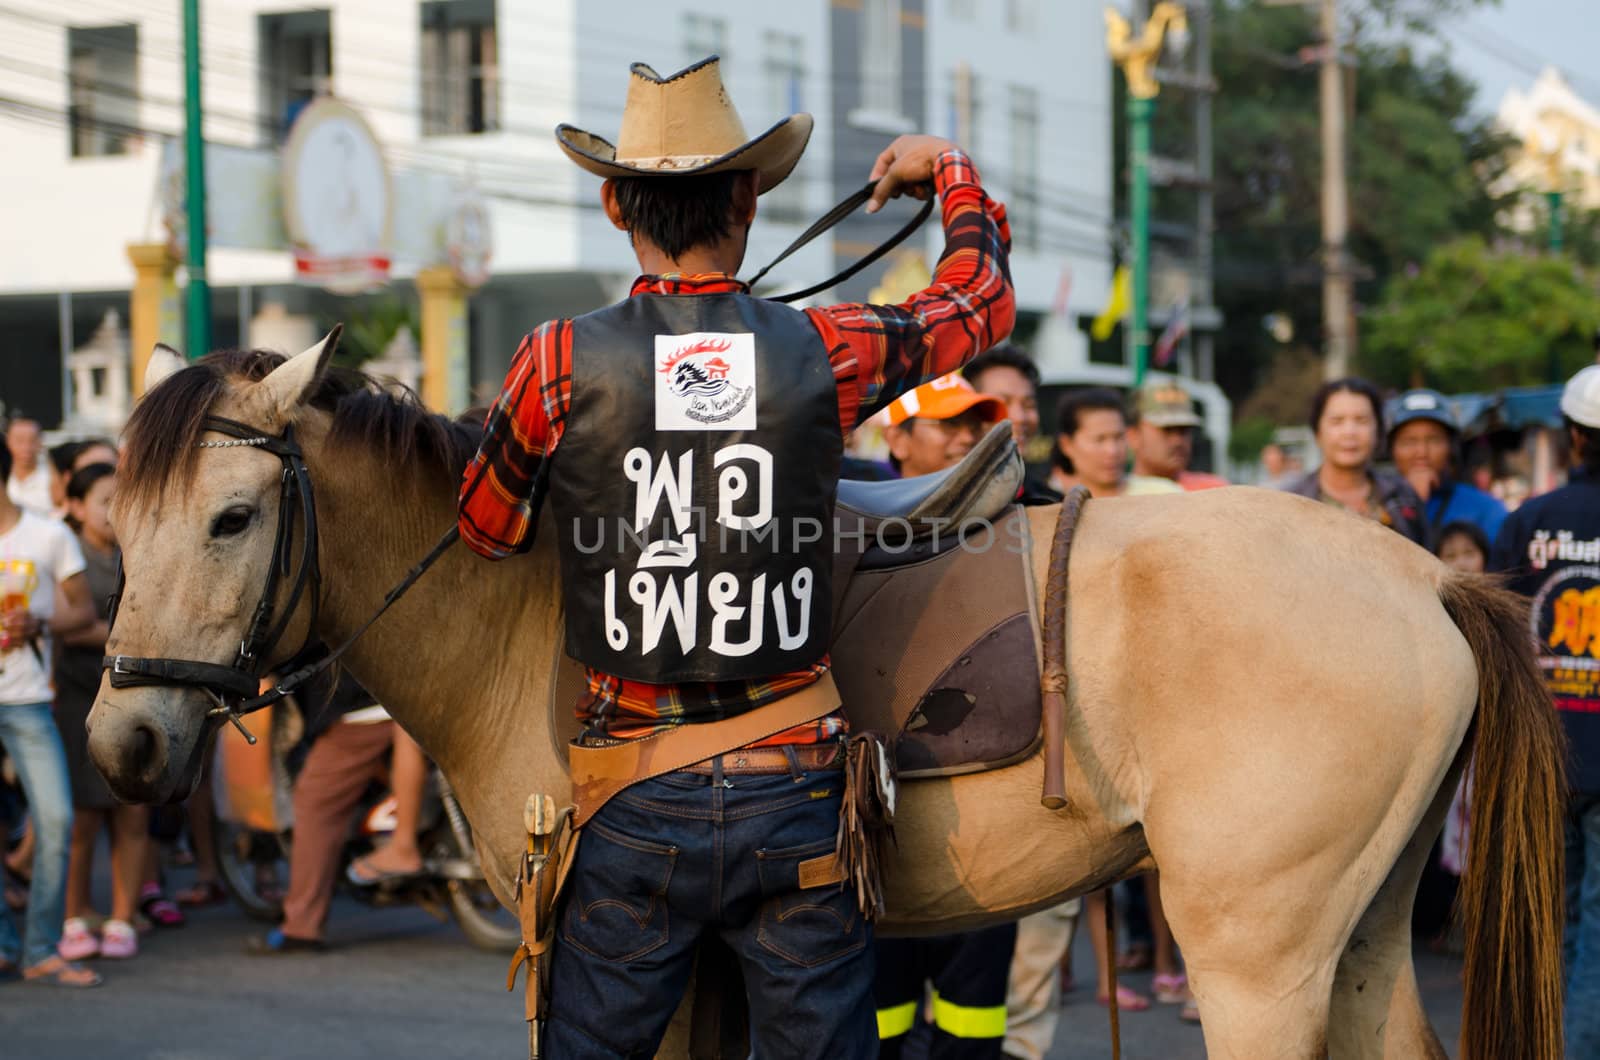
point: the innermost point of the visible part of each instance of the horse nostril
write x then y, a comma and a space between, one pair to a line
143, 750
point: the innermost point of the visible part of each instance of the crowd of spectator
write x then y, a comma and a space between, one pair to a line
1399, 466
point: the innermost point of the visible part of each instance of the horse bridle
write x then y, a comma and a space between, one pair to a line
236, 687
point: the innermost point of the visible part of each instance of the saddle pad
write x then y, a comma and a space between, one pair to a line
942, 652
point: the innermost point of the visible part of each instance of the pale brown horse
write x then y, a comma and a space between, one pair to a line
1271, 701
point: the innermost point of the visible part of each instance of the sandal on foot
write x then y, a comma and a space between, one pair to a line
57, 971
1191, 1012
118, 940
275, 943
77, 941
203, 892
361, 873
162, 911
1171, 989
1128, 1000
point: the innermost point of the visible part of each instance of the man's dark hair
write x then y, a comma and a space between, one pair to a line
1069, 414
64, 455
1588, 445
5, 464
1348, 385
677, 214
1004, 355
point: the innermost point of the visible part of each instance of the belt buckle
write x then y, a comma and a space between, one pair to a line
116, 666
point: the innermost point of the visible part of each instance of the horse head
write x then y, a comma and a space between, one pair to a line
198, 518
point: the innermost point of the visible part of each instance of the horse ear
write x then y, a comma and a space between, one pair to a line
164, 360
290, 385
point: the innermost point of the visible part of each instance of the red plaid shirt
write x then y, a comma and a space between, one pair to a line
877, 352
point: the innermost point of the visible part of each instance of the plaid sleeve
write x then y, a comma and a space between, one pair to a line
879, 352
499, 507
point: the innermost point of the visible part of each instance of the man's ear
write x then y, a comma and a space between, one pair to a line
608, 202
745, 191
899, 438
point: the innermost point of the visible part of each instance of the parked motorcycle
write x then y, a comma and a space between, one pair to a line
252, 833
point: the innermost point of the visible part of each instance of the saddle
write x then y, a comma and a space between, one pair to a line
936, 631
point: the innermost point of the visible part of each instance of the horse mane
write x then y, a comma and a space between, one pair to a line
161, 438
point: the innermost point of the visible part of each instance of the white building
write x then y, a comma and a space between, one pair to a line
470, 91
1559, 132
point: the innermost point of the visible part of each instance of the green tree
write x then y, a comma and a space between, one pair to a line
1419, 168
1474, 318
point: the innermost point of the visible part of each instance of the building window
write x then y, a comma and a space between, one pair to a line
102, 89
296, 66
964, 108
880, 58
703, 37
460, 68
1022, 16
1023, 205
785, 76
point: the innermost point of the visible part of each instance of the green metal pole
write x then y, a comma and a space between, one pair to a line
1557, 221
199, 295
1139, 114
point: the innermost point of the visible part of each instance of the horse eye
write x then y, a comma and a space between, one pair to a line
233, 521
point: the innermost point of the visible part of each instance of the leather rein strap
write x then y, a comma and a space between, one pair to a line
1053, 680
829, 220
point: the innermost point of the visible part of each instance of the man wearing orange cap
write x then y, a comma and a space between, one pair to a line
690, 397
935, 425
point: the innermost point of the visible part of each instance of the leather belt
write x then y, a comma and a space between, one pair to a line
806, 758
600, 772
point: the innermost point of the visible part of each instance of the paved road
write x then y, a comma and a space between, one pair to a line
398, 985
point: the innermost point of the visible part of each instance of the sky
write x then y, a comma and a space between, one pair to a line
1505, 46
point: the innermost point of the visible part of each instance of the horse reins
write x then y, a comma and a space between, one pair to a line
236, 688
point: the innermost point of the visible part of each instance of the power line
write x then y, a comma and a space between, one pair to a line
512, 168
46, 115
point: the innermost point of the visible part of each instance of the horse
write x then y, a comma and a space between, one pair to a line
1271, 702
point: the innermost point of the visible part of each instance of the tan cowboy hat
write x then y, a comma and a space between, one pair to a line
684, 125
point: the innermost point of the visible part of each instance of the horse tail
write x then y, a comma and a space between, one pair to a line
1512, 888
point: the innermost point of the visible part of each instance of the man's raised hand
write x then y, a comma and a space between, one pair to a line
906, 168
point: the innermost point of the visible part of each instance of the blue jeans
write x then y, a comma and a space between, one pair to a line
677, 858
29, 733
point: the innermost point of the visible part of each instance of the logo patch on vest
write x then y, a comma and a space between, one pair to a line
705, 381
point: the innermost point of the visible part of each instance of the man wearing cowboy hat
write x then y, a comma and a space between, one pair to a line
693, 435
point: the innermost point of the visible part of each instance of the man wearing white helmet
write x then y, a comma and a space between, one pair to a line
1551, 548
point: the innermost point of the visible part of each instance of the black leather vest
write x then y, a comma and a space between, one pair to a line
693, 489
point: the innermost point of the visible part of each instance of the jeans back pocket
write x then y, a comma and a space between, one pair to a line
616, 906
807, 926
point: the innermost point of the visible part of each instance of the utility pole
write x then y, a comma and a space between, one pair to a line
198, 338
1338, 317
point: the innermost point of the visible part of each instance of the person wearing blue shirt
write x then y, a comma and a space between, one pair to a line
1550, 550
1423, 439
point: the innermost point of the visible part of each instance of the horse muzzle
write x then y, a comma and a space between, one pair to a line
147, 743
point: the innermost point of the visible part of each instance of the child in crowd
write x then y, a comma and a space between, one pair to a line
1463, 546
88, 498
